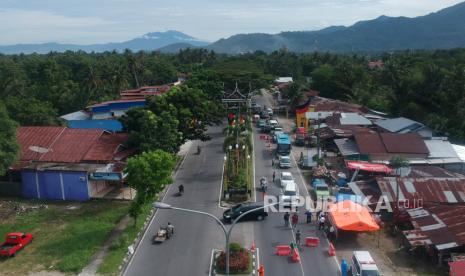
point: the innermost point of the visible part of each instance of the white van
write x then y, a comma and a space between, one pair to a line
363, 264
273, 124
289, 194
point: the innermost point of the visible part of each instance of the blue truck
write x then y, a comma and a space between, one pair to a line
284, 144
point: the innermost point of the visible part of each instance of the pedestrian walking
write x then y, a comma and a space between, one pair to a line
331, 234
308, 214
274, 175
272, 162
297, 237
318, 214
295, 220
286, 219
321, 222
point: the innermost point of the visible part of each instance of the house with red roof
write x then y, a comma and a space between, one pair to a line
59, 163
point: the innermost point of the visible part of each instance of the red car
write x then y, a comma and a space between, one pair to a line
13, 243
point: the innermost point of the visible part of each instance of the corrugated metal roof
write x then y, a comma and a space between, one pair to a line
441, 225
372, 143
346, 146
339, 106
440, 149
59, 144
318, 115
369, 143
110, 125
431, 172
78, 115
460, 150
354, 119
418, 191
404, 143
400, 125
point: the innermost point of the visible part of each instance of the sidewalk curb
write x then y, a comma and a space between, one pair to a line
128, 258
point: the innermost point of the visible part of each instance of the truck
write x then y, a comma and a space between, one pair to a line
283, 144
300, 136
13, 243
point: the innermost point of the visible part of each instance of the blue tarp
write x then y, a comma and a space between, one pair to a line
110, 125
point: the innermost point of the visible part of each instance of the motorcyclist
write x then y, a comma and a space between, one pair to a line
263, 184
198, 149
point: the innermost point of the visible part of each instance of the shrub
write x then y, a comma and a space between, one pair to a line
239, 259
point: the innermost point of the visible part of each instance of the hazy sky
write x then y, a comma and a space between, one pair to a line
96, 21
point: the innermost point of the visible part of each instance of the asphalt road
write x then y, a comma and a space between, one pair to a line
189, 251
271, 232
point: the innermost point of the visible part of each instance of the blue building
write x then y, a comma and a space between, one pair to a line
58, 163
103, 115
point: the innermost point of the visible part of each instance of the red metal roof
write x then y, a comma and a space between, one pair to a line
404, 143
60, 144
333, 105
416, 192
105, 148
441, 225
369, 143
117, 101
372, 143
142, 92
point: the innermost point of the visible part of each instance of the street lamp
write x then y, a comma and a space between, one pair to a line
227, 232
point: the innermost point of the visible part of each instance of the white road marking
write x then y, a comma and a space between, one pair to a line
211, 262
221, 187
308, 194
253, 163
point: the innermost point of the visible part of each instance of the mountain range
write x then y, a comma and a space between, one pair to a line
444, 29
147, 42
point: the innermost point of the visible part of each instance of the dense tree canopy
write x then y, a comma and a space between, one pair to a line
428, 86
8, 146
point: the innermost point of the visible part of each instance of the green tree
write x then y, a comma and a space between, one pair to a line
9, 148
31, 112
148, 173
149, 131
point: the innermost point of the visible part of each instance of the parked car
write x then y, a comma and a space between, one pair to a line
273, 124
264, 115
363, 264
284, 162
270, 111
289, 194
256, 108
233, 213
286, 177
320, 188
13, 243
307, 163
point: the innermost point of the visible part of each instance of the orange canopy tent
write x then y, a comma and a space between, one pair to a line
350, 216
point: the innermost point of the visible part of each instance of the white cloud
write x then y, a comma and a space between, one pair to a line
90, 21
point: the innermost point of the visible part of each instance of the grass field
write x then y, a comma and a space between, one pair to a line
66, 234
119, 247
